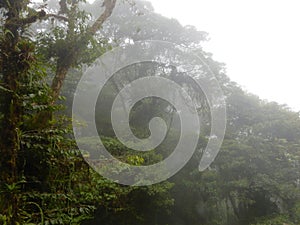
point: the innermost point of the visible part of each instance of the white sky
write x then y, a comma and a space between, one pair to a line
259, 40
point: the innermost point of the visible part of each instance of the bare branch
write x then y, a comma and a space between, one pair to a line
109, 7
57, 17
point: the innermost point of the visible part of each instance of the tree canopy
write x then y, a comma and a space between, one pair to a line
45, 48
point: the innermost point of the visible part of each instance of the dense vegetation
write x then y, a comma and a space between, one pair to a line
44, 49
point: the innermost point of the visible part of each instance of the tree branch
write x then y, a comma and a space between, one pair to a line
57, 17
32, 19
109, 6
41, 15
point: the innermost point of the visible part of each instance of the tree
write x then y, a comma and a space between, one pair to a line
18, 64
75, 41
17, 60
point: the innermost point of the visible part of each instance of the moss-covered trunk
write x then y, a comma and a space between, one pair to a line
12, 70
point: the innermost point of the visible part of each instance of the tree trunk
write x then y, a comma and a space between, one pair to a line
9, 145
12, 112
58, 80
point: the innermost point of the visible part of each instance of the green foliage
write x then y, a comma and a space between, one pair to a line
275, 220
254, 180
